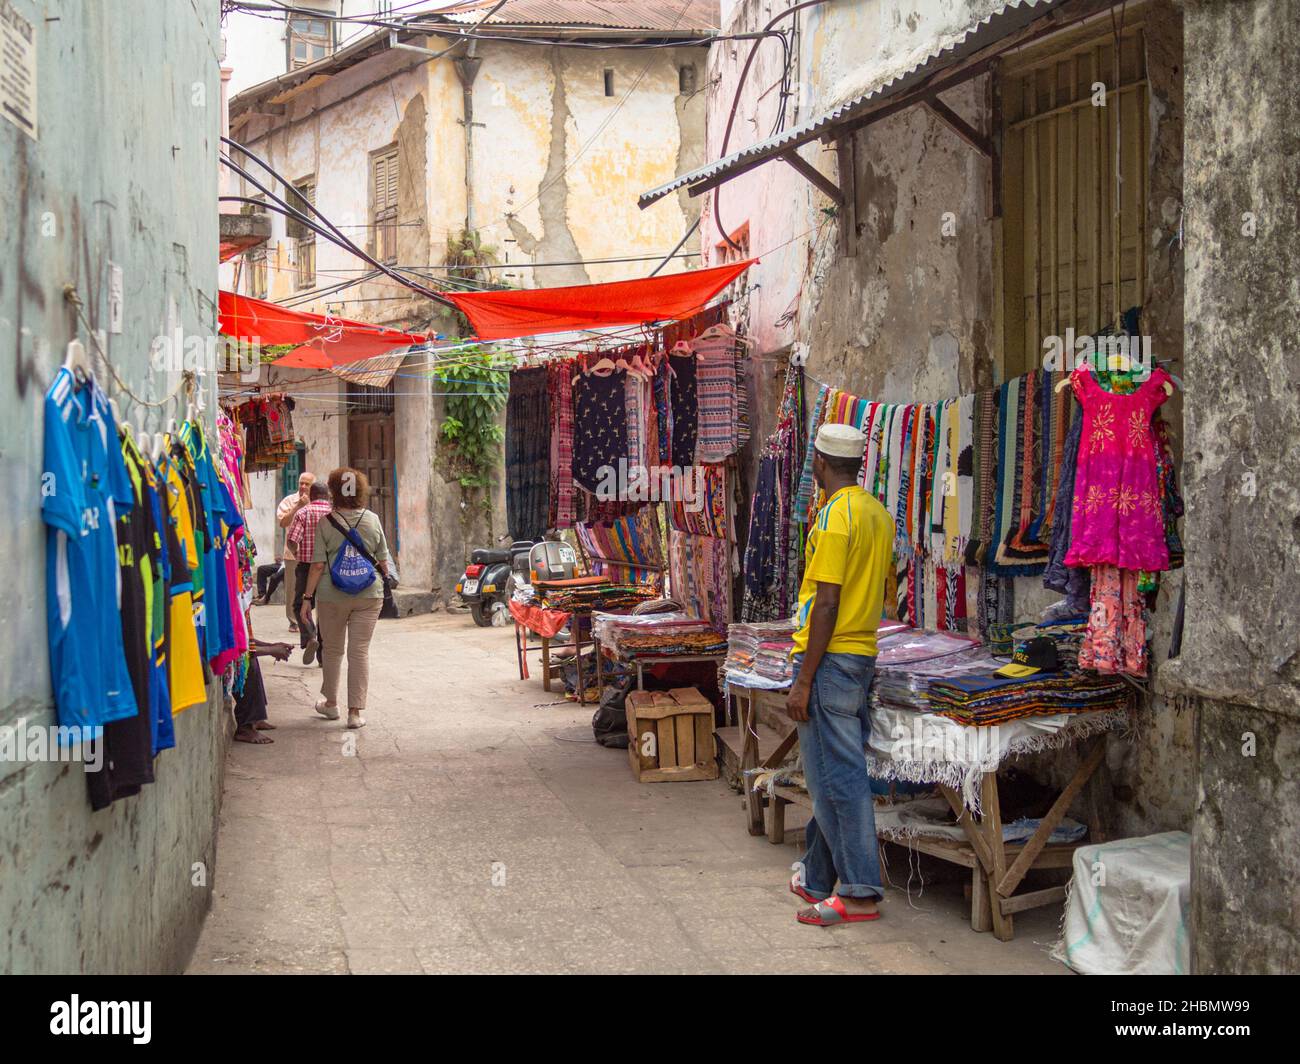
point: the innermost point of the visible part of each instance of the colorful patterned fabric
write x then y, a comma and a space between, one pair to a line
707, 516
629, 549
1118, 519
1116, 640
527, 454
1073, 583
599, 427
716, 389
685, 410
562, 487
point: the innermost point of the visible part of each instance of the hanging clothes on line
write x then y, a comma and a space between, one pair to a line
527, 454
133, 543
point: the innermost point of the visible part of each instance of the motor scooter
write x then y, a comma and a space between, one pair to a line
490, 578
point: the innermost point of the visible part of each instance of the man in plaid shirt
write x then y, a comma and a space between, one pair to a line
302, 537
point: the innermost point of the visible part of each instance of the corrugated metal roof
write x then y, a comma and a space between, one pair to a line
1012, 16
666, 16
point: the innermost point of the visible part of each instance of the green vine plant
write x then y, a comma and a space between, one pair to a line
466, 253
476, 384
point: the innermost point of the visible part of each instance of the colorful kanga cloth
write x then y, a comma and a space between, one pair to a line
562, 491
1118, 519
685, 410
717, 400
1116, 640
600, 428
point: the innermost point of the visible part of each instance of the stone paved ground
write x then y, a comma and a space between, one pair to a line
384, 861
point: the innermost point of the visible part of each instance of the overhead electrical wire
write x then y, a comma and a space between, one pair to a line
337, 236
735, 104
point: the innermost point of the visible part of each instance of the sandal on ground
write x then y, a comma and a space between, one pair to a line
355, 719
327, 711
797, 889
830, 912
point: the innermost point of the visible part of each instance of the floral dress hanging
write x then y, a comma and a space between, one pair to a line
1118, 519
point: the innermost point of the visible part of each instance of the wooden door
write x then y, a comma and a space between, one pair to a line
371, 450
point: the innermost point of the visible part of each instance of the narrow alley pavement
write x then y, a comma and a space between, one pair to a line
477, 829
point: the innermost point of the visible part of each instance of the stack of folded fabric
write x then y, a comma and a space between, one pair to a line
596, 597
899, 645
606, 627
676, 643
1067, 634
658, 635
981, 700
761, 649
908, 686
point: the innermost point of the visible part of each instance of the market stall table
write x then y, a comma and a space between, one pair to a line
968, 784
608, 626
546, 625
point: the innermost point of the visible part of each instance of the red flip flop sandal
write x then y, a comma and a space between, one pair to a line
830, 912
796, 888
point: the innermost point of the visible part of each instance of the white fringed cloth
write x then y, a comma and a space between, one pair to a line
928, 748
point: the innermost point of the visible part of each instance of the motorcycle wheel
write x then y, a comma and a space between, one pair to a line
482, 613
500, 609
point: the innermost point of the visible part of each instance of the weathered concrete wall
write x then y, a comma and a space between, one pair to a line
911, 317
1241, 645
124, 170
557, 166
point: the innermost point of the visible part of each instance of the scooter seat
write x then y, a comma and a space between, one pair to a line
483, 556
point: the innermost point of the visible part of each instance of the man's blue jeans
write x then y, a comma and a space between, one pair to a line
841, 835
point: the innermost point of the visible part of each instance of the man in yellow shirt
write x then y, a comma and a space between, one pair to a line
850, 549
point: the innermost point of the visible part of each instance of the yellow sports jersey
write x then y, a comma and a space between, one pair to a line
185, 668
851, 544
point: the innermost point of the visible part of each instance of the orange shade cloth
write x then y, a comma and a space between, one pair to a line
323, 341
505, 315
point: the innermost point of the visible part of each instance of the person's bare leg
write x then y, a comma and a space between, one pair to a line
248, 733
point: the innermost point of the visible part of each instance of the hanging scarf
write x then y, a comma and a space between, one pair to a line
965, 480
562, 486
803, 500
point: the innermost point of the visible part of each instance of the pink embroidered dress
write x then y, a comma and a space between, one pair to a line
1117, 518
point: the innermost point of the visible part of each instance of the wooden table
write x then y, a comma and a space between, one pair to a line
997, 867
576, 641
640, 663
747, 701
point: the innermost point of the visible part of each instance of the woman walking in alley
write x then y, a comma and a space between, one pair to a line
346, 587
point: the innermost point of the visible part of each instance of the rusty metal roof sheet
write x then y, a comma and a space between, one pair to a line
1010, 17
667, 16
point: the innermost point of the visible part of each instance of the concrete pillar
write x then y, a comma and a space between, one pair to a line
1240, 662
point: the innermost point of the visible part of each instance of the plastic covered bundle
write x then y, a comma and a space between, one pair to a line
907, 686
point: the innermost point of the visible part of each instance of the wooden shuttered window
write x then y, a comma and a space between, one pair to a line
303, 198
383, 185
307, 40
1074, 227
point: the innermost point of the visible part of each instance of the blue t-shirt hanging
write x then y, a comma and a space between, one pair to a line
109, 481
83, 482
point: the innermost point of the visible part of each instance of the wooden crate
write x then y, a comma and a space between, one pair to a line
670, 735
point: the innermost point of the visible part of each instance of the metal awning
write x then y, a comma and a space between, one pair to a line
1014, 23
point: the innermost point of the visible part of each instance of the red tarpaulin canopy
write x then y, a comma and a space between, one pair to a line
504, 315
323, 341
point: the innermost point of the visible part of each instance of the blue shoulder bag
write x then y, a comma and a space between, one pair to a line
353, 568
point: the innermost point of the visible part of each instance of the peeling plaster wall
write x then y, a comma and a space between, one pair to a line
557, 167
1241, 646
911, 316
124, 171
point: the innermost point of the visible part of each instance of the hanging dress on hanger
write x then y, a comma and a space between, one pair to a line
1117, 515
